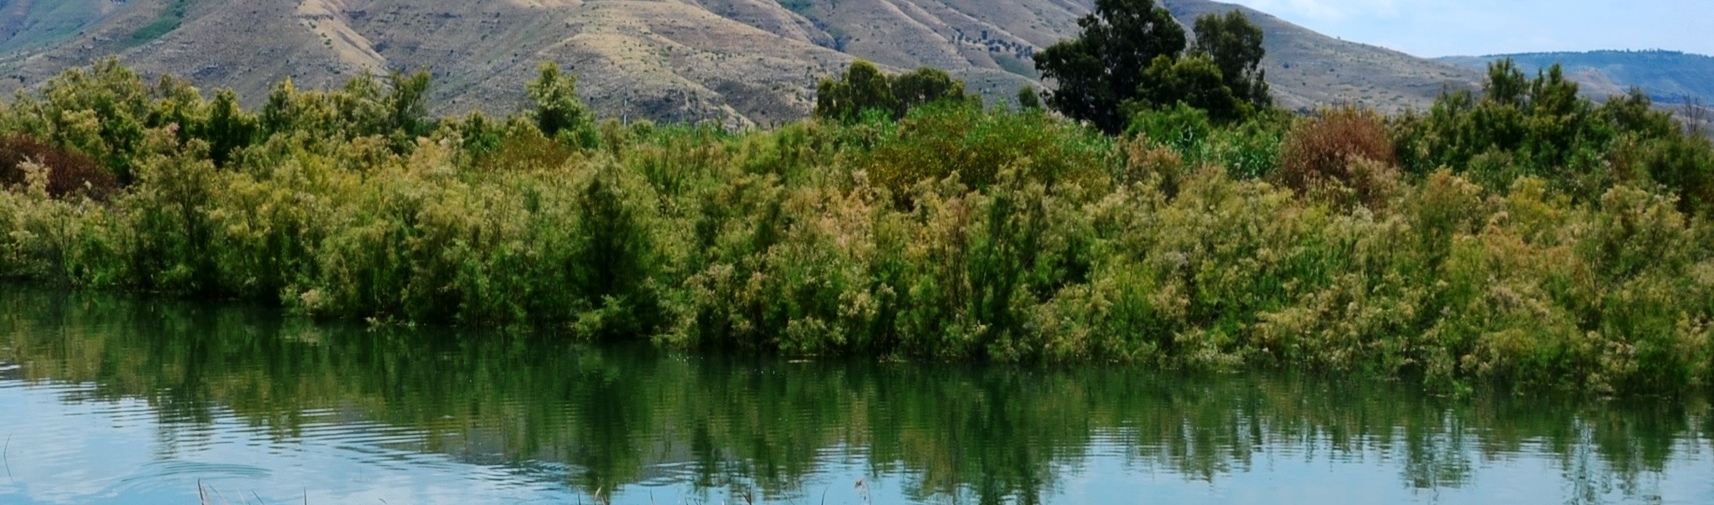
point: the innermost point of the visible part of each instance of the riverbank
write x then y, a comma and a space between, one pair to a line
1405, 247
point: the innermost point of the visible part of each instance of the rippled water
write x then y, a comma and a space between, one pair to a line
107, 400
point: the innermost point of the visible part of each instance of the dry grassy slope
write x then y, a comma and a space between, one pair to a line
1307, 69
739, 62
1669, 77
29, 24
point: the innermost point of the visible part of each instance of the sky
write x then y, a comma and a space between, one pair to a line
1433, 28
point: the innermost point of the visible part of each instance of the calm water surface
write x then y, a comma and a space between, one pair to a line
112, 400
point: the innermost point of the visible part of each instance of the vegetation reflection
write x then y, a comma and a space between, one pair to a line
616, 417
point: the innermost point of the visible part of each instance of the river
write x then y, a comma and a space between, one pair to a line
108, 399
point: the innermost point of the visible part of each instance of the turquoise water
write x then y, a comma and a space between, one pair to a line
118, 400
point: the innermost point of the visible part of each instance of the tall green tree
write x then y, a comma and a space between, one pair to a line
1133, 53
1101, 69
407, 103
1235, 47
559, 111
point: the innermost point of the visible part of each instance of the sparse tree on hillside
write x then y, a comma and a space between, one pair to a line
1028, 99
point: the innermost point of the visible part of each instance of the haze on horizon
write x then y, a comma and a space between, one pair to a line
1435, 28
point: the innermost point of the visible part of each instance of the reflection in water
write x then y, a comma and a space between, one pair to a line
287, 410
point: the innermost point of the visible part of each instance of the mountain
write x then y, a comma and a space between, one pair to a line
1307, 69
1668, 77
739, 62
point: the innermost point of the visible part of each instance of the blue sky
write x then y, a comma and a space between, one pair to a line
1477, 27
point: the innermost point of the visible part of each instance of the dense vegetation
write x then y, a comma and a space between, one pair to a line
1520, 236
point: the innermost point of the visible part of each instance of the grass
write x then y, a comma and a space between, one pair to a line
168, 20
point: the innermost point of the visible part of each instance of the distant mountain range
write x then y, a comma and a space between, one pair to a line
737, 62
1668, 77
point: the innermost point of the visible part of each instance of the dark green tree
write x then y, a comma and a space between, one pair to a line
229, 128
1028, 99
865, 87
1506, 84
922, 87
1235, 47
1101, 69
407, 103
1195, 81
559, 111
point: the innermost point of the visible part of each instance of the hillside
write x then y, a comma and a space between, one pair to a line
1306, 68
739, 62
1669, 77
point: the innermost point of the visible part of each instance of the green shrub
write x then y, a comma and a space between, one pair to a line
958, 140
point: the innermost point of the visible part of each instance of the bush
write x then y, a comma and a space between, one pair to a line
1339, 148
69, 173
948, 140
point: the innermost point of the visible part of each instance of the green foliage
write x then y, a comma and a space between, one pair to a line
99, 112
1235, 47
559, 113
1099, 70
407, 104
973, 147
1133, 53
1028, 99
1249, 149
1569, 247
168, 20
1540, 127
924, 86
1195, 81
864, 88
229, 127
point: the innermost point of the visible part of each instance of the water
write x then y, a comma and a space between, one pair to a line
115, 400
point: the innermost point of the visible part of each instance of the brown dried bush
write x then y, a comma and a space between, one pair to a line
69, 173
1344, 148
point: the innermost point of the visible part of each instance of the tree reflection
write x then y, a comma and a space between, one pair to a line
609, 418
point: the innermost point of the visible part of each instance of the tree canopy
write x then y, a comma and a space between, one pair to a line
1132, 53
865, 87
1101, 69
1235, 47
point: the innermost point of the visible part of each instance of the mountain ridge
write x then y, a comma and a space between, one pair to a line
1668, 77
741, 63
